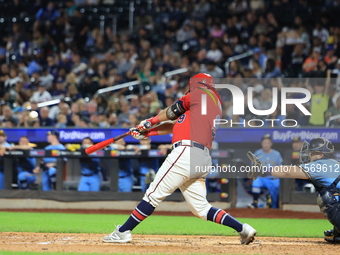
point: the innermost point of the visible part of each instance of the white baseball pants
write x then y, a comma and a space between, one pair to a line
179, 170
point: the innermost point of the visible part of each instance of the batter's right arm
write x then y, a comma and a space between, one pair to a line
164, 129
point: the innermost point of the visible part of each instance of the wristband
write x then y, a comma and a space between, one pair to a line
154, 120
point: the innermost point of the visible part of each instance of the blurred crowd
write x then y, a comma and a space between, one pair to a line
66, 55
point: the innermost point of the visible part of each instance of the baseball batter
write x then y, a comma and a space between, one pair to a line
193, 133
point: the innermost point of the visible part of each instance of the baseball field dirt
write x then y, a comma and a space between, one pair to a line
170, 244
146, 244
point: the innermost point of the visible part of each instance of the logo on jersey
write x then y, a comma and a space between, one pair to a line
181, 119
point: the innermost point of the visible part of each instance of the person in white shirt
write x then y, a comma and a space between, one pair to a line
211, 68
214, 53
42, 95
321, 33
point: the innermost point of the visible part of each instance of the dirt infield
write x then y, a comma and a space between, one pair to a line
146, 244
238, 213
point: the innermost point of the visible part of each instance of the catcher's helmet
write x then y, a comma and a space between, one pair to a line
201, 80
322, 145
319, 145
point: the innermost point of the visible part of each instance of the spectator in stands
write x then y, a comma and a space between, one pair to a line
101, 103
214, 53
83, 109
134, 105
332, 111
124, 114
92, 107
60, 90
48, 165
321, 32
260, 57
73, 93
185, 33
320, 99
89, 86
10, 124
296, 61
256, 69
330, 58
311, 62
46, 78
7, 115
125, 64
144, 112
44, 120
61, 121
155, 105
112, 119
133, 121
271, 71
48, 13
16, 94
62, 107
146, 76
42, 95
211, 68
84, 122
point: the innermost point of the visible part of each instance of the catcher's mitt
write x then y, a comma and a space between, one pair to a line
256, 169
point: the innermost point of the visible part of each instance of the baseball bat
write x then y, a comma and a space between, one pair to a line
103, 144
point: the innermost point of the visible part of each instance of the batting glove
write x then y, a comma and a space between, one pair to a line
144, 125
148, 123
135, 133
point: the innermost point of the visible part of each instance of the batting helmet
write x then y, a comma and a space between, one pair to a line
201, 80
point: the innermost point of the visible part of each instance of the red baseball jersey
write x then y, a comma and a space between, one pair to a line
202, 106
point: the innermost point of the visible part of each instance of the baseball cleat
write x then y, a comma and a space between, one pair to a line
118, 237
329, 236
252, 206
247, 235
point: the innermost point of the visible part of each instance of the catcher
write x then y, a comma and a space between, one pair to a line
319, 164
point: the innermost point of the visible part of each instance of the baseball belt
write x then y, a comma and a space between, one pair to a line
189, 143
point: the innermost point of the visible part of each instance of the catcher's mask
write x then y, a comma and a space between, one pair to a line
201, 80
318, 145
304, 156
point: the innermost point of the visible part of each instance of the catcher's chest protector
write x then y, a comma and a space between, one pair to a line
329, 203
